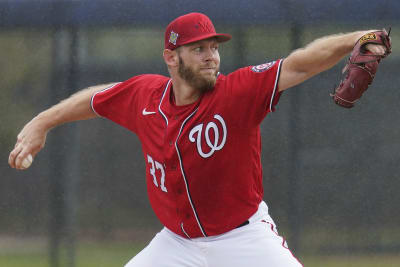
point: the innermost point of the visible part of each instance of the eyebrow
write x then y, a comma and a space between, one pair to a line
203, 41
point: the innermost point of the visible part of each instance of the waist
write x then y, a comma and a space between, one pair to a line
260, 214
243, 224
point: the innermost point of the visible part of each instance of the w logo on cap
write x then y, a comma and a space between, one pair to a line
173, 37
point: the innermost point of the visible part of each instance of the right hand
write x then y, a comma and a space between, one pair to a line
30, 140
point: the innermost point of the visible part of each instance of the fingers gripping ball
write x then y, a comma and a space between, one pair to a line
26, 163
361, 68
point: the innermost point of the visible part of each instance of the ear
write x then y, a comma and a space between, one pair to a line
171, 58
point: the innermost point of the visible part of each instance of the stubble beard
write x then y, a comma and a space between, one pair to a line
195, 79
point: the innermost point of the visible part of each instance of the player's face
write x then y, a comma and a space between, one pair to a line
199, 64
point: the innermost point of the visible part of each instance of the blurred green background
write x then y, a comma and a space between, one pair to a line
330, 175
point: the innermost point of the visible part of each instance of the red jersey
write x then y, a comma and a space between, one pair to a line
203, 173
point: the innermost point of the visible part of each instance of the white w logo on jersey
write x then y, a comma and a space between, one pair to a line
214, 146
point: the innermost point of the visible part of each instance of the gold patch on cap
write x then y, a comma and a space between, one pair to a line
173, 37
368, 37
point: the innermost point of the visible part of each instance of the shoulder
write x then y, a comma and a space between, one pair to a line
256, 70
148, 81
255, 76
136, 87
145, 85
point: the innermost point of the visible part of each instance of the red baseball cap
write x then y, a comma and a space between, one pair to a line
191, 28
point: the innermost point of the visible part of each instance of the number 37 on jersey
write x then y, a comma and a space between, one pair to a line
155, 165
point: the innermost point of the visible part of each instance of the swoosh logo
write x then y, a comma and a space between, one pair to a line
144, 112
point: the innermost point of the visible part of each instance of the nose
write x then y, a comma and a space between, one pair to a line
210, 54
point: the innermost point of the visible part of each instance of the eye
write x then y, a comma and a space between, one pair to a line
197, 49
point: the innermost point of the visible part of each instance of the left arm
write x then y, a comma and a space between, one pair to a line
320, 55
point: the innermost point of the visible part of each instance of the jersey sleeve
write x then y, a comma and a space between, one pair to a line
254, 90
119, 103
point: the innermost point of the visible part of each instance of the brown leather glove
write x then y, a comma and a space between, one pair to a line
361, 68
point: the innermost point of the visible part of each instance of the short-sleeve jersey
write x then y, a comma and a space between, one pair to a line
203, 162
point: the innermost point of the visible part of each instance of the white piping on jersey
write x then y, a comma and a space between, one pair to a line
91, 99
162, 98
180, 159
183, 230
275, 85
183, 173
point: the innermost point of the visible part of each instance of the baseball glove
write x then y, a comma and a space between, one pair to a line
361, 68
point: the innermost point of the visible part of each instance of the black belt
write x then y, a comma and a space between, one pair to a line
243, 224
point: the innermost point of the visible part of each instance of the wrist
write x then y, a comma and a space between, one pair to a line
351, 39
45, 121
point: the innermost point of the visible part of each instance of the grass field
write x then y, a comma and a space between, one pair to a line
87, 255
117, 254
352, 261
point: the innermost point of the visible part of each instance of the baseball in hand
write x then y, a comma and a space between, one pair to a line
26, 163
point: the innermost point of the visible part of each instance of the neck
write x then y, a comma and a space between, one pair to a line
184, 94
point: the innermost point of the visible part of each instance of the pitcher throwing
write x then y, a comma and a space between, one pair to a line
200, 135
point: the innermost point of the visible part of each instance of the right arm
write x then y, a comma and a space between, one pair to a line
32, 137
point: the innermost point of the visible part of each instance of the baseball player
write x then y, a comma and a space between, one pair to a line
201, 143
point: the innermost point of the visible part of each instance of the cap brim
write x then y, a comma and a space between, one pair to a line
221, 38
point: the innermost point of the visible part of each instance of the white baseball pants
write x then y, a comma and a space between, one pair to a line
256, 244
